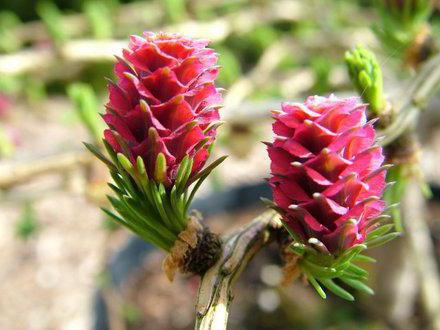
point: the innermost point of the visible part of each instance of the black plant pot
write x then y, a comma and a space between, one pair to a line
128, 260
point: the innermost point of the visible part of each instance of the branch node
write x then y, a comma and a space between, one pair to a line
195, 251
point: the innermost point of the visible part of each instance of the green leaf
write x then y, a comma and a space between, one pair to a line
133, 222
113, 216
194, 190
358, 285
186, 174
175, 201
140, 165
357, 270
123, 181
145, 218
364, 258
111, 153
351, 253
364, 80
297, 246
178, 222
207, 169
115, 189
98, 154
378, 220
122, 143
349, 274
160, 208
316, 285
375, 242
380, 231
267, 202
183, 174
212, 126
317, 270
336, 289
125, 163
143, 180
160, 169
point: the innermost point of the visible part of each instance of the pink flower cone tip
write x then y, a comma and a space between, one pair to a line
327, 174
164, 103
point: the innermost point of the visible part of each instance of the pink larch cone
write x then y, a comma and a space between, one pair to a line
164, 103
327, 174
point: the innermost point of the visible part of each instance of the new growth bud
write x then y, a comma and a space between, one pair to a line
366, 75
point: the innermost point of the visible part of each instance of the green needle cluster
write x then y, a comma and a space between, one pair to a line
366, 75
156, 213
329, 271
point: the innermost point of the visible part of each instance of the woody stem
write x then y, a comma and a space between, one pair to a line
423, 86
215, 292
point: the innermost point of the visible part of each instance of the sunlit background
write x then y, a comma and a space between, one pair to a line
64, 265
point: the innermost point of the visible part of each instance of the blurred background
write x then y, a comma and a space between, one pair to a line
64, 265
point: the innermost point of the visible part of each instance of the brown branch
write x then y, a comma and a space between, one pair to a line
215, 291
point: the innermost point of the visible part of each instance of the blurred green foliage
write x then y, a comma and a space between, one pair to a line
250, 46
8, 21
104, 279
86, 106
27, 224
400, 22
26, 9
321, 67
230, 66
51, 16
175, 10
97, 13
10, 84
35, 90
110, 225
6, 145
131, 313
